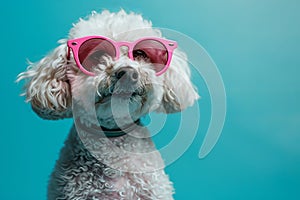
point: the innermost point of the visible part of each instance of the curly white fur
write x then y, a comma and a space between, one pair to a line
54, 81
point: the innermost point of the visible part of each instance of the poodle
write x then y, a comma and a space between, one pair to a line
113, 69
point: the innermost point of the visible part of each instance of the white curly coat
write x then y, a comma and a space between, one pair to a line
54, 83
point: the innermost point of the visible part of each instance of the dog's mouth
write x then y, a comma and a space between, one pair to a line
125, 95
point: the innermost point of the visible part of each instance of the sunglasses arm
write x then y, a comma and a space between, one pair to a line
68, 53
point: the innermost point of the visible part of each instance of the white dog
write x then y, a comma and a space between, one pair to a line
118, 67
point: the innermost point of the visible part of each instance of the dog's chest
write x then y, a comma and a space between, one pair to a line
80, 172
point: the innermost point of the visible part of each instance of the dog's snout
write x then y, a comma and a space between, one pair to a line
127, 73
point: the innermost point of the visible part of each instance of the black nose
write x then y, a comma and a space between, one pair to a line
127, 73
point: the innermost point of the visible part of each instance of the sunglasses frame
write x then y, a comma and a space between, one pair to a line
75, 44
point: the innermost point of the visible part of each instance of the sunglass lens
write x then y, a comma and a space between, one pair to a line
93, 51
151, 51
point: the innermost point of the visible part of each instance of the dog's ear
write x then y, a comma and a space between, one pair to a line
47, 87
179, 92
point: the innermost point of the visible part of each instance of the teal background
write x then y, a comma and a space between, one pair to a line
255, 45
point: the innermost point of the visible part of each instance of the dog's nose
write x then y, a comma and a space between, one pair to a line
127, 74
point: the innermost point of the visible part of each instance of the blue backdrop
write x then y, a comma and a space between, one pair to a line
256, 47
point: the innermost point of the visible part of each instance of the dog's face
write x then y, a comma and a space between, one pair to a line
122, 89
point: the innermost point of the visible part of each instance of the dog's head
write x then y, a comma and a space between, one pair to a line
131, 84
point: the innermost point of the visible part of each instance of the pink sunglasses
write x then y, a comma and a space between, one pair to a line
90, 51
